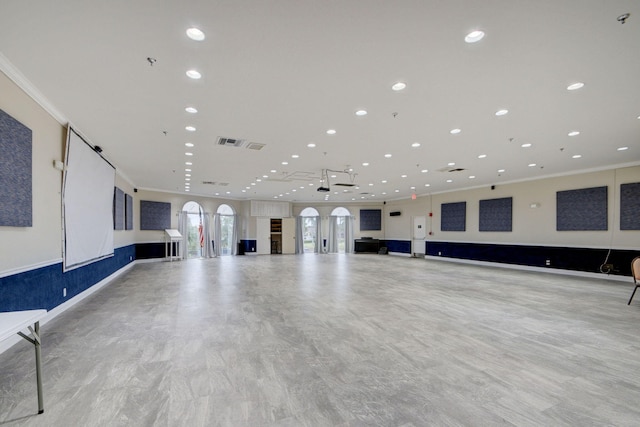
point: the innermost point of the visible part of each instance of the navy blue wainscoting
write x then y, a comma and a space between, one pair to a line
42, 287
565, 258
247, 246
399, 246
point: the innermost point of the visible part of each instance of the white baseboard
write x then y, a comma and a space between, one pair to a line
52, 314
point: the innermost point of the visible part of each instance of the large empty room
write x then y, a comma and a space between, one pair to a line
255, 213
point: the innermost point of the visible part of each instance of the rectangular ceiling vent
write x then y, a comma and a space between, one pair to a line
230, 142
255, 146
221, 184
344, 184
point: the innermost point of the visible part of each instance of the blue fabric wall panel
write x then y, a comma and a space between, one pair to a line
42, 287
155, 215
128, 208
630, 206
581, 210
248, 245
370, 219
453, 216
16, 208
496, 214
118, 209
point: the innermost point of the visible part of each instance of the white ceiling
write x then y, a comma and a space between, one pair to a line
283, 72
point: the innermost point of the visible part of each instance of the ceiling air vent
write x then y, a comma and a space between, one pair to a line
230, 142
449, 169
221, 184
255, 146
209, 182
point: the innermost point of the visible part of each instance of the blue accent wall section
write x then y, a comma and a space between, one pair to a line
128, 207
565, 258
370, 219
400, 246
15, 173
583, 209
453, 216
118, 209
42, 287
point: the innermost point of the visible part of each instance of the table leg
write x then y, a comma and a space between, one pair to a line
39, 368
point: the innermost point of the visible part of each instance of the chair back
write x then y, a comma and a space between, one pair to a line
635, 269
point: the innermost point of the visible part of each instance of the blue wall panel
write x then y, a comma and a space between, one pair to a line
118, 209
496, 214
42, 287
583, 209
630, 206
453, 216
15, 173
370, 219
399, 246
128, 208
155, 215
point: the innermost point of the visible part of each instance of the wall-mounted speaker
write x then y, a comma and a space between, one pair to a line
396, 213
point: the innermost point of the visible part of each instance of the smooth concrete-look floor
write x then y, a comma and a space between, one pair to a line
334, 340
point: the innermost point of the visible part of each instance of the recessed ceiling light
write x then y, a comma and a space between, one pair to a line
482, 156
424, 170
244, 191
622, 148
384, 181
331, 131
285, 163
449, 180
190, 128
188, 154
228, 192
417, 144
573, 133
311, 183
187, 190
398, 86
501, 112
194, 74
334, 176
248, 188
294, 190
273, 171
455, 131
412, 188
361, 113
217, 194
188, 163
576, 156
187, 170
397, 191
302, 187
253, 183
474, 36
500, 170
258, 180
191, 110
451, 164
403, 176
195, 34
187, 174
188, 144
265, 176
526, 145
294, 156
472, 177
187, 179
427, 185
388, 156
575, 86
365, 164
532, 165
311, 145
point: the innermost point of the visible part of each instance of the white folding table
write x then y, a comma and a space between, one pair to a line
14, 322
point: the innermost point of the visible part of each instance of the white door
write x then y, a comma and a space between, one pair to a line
263, 238
288, 235
419, 234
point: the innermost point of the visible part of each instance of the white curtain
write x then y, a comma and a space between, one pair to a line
348, 234
183, 224
234, 235
300, 234
319, 248
217, 231
332, 238
207, 250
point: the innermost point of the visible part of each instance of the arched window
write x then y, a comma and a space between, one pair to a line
195, 237
310, 228
340, 233
226, 239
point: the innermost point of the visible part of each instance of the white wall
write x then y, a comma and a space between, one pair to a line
531, 226
41, 244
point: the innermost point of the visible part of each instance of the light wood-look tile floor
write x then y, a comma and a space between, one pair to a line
334, 340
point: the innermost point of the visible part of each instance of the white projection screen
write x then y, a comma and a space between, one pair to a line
87, 204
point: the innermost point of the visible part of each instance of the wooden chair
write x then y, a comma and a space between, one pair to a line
635, 272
